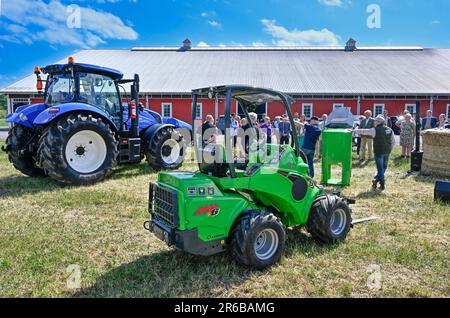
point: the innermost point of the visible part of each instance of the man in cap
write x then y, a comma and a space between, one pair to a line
383, 142
312, 133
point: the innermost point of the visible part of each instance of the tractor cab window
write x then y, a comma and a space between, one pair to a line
60, 89
100, 91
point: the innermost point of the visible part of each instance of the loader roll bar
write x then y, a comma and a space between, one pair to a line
246, 96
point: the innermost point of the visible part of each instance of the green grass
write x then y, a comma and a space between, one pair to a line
3, 122
45, 228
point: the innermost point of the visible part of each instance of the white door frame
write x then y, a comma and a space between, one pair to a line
162, 108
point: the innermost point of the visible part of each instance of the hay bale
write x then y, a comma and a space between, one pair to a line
436, 153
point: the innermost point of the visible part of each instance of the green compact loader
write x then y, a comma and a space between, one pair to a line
244, 206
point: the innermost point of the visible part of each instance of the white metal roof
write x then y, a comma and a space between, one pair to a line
294, 70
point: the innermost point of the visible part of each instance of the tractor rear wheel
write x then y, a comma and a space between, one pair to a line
166, 150
329, 219
258, 239
78, 150
22, 150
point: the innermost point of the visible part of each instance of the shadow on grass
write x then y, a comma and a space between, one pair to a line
177, 274
370, 194
16, 185
169, 274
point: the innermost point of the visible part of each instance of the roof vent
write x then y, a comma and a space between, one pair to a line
350, 46
187, 45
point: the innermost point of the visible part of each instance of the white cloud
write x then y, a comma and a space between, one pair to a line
258, 44
435, 22
35, 20
295, 37
332, 3
202, 44
215, 24
208, 14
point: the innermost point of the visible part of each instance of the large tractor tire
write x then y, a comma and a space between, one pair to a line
78, 150
329, 219
258, 239
21, 150
166, 151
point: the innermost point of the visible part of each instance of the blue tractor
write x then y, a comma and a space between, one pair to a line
82, 130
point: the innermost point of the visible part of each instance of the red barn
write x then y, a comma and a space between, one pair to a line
318, 78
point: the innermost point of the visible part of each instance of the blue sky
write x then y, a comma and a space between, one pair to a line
38, 32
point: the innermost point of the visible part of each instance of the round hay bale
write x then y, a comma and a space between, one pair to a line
436, 153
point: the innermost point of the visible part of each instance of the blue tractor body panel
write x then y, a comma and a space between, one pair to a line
47, 116
29, 111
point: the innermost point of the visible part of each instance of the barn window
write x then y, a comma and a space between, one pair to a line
336, 106
448, 112
411, 108
16, 102
166, 110
199, 111
307, 110
378, 109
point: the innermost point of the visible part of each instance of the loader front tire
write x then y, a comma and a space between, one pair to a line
78, 150
258, 240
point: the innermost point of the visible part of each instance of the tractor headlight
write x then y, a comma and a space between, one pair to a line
23, 117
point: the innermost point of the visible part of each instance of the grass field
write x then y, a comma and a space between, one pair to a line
3, 122
45, 228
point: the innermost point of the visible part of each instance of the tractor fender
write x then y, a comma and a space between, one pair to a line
150, 133
49, 115
26, 114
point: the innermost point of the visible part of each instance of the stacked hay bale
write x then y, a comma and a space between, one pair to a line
436, 152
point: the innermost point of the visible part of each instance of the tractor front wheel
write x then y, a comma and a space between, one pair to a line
78, 150
258, 239
21, 146
166, 150
329, 219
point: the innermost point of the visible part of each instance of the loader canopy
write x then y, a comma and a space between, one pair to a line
247, 97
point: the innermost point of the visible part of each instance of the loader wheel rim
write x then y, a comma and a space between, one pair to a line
85, 151
170, 152
266, 244
338, 222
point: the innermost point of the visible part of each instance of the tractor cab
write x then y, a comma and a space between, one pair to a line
241, 152
82, 83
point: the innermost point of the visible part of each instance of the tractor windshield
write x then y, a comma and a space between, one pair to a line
60, 89
100, 91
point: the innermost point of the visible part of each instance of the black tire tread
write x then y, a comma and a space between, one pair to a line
51, 150
241, 231
318, 222
154, 150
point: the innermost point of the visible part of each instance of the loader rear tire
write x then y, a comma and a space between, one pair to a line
19, 154
166, 150
258, 239
329, 219
78, 150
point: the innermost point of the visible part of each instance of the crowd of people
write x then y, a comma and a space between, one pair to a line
374, 137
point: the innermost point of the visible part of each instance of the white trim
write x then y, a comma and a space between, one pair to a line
8, 104
201, 111
162, 108
375, 107
411, 105
448, 112
237, 108
312, 109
